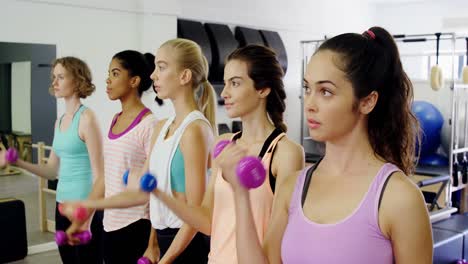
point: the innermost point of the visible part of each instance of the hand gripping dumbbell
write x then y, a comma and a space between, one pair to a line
80, 213
250, 169
11, 155
62, 239
147, 182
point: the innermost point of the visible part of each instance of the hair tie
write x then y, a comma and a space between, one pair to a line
370, 34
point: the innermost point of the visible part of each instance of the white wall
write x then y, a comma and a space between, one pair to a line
426, 17
95, 30
423, 16
92, 31
21, 96
294, 20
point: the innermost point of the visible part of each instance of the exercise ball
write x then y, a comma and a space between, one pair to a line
433, 159
431, 121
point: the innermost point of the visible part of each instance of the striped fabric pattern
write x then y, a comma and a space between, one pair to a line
130, 150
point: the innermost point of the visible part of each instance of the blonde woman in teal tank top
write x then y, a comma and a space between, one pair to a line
76, 155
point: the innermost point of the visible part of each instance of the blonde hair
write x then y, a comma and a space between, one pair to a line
190, 56
80, 73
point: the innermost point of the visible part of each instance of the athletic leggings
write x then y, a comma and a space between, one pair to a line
128, 244
81, 254
196, 252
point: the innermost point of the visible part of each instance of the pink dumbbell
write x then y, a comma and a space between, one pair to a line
144, 260
250, 169
80, 213
11, 155
61, 237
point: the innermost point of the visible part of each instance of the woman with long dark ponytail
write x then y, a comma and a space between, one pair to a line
356, 205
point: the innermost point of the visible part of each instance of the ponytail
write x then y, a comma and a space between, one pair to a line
207, 103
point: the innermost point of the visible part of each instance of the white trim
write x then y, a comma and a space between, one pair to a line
42, 248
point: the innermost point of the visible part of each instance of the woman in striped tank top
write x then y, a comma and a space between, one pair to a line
356, 205
126, 145
76, 156
180, 154
253, 92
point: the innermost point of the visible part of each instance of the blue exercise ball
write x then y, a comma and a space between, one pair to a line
431, 121
434, 159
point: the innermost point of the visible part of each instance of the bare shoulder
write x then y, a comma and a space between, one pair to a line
197, 131
401, 191
288, 157
88, 122
88, 116
286, 147
402, 199
197, 126
403, 213
150, 117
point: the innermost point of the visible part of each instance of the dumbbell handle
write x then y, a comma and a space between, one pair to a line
125, 177
250, 169
219, 147
61, 237
148, 181
144, 260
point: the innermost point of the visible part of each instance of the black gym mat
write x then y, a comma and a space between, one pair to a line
13, 242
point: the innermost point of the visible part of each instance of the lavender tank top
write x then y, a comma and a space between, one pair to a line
356, 239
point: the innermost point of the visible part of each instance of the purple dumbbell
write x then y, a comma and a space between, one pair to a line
250, 169
219, 147
462, 261
144, 260
11, 155
61, 237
